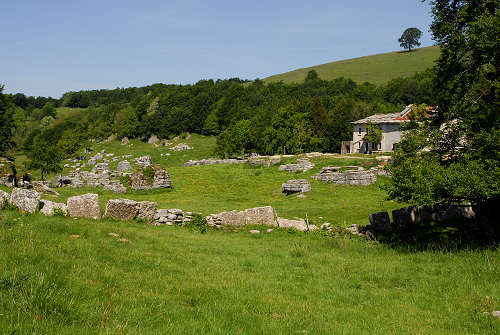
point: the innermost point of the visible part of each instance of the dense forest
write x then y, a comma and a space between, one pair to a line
247, 116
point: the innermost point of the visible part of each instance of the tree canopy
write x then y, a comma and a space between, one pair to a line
410, 38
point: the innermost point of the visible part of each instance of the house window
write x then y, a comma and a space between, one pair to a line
359, 131
394, 147
359, 145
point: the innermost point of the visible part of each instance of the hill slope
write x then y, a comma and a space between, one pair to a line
376, 69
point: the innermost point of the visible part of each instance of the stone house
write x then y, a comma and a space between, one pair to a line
389, 124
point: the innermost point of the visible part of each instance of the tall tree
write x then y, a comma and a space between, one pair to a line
456, 155
410, 38
6, 124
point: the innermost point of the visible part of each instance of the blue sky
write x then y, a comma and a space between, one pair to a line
51, 47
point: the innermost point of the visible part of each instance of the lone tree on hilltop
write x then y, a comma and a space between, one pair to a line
410, 38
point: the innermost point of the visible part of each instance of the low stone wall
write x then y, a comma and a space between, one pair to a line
213, 161
332, 174
296, 186
302, 165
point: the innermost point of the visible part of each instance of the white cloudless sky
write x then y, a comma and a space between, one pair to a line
54, 46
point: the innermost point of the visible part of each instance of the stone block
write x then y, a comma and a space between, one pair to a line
122, 209
26, 200
380, 221
296, 186
299, 224
4, 196
86, 205
260, 215
47, 207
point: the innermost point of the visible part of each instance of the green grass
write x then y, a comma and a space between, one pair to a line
375, 69
172, 280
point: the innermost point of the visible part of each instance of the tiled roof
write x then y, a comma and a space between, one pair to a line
400, 117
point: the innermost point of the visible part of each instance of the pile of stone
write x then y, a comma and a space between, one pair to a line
172, 216
181, 146
353, 176
160, 179
296, 186
143, 161
302, 165
258, 215
213, 161
125, 141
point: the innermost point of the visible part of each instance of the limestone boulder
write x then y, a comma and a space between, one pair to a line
26, 200
153, 139
181, 147
296, 186
47, 207
125, 141
86, 205
299, 224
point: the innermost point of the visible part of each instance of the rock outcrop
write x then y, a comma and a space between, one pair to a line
302, 165
359, 176
86, 205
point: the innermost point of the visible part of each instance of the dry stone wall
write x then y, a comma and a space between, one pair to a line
26, 200
332, 174
257, 215
86, 205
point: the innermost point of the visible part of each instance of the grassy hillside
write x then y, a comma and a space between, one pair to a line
66, 276
216, 188
376, 69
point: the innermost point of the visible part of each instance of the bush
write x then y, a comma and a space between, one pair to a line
198, 223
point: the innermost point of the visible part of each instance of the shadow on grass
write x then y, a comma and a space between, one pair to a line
463, 234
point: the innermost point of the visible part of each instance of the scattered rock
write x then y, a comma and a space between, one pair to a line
496, 314
47, 207
113, 234
296, 186
254, 231
125, 141
115, 186
110, 138
123, 240
269, 230
74, 236
26, 200
86, 205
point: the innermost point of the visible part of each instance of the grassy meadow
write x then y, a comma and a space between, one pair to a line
69, 276
375, 69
